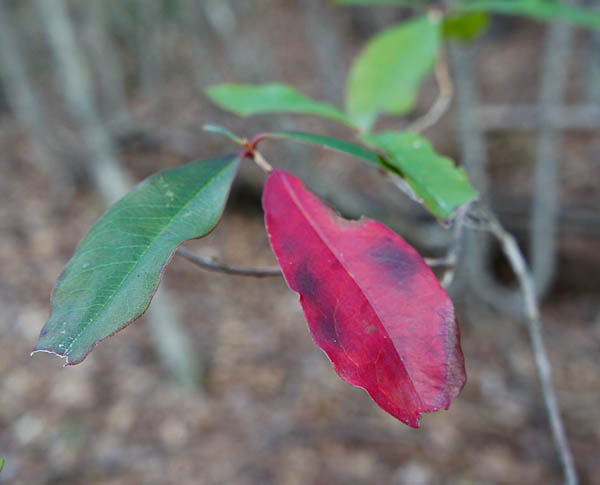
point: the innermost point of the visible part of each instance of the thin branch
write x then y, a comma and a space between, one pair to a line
519, 266
261, 162
529, 299
442, 103
444, 261
520, 269
212, 265
219, 267
458, 227
402, 185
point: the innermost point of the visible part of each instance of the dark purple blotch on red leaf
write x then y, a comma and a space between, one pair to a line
371, 303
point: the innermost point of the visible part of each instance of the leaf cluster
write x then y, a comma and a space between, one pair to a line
117, 267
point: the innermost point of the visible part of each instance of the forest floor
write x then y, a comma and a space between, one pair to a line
270, 409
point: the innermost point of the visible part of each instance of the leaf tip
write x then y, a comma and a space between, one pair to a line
414, 422
37, 350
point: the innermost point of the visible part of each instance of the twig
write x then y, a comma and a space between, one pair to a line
261, 162
444, 261
474, 158
458, 226
211, 265
442, 102
472, 137
519, 266
402, 185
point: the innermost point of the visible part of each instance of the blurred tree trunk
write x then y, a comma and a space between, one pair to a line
326, 44
106, 61
173, 345
148, 35
203, 67
102, 164
544, 227
222, 16
23, 101
593, 60
474, 268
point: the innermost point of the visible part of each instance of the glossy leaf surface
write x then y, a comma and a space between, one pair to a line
387, 75
441, 185
371, 303
117, 266
251, 99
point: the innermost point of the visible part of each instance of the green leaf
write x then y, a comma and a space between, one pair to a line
117, 267
435, 179
343, 146
386, 76
466, 27
542, 10
223, 131
251, 99
1, 463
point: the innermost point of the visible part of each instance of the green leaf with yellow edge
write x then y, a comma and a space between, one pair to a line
252, 99
435, 179
387, 75
116, 269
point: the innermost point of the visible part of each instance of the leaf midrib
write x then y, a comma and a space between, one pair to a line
329, 246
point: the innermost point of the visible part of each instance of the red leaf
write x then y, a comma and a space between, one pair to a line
371, 302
